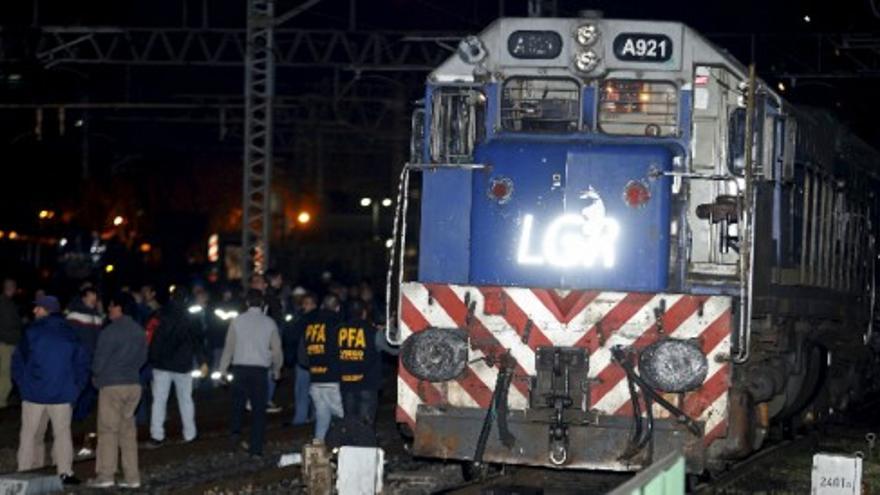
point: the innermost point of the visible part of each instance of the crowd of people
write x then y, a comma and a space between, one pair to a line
124, 350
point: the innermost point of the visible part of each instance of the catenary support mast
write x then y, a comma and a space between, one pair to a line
259, 93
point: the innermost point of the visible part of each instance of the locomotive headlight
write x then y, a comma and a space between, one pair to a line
436, 354
586, 61
587, 34
673, 365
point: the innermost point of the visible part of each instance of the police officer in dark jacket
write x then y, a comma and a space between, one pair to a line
293, 336
321, 348
360, 347
175, 349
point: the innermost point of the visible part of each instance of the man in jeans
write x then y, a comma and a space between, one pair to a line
10, 334
121, 351
320, 343
293, 336
254, 349
175, 346
51, 367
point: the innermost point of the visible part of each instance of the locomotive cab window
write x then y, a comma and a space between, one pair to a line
638, 108
736, 141
458, 122
540, 105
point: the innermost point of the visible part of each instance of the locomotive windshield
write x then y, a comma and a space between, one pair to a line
540, 105
638, 108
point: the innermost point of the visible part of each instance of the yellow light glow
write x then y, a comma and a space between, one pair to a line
214, 248
44, 214
118, 220
304, 217
109, 268
2, 234
644, 97
13, 235
146, 247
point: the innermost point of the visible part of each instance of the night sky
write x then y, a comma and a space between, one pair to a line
176, 181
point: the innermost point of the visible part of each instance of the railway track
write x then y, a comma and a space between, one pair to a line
862, 414
532, 480
741, 469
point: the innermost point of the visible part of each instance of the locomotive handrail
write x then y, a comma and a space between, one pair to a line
747, 259
441, 166
398, 236
695, 175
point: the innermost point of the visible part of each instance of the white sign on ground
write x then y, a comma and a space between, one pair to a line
360, 470
29, 484
835, 474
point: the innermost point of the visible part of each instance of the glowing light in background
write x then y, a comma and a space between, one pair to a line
304, 217
213, 248
118, 220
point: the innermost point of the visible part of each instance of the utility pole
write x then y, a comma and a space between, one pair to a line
259, 93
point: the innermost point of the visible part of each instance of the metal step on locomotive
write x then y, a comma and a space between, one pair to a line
628, 244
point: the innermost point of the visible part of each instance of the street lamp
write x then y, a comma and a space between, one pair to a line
365, 202
118, 220
304, 217
386, 202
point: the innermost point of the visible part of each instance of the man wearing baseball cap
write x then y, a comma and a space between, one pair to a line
51, 367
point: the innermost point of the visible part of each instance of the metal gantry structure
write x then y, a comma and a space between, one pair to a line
387, 51
801, 55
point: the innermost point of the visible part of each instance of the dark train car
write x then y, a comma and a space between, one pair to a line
627, 245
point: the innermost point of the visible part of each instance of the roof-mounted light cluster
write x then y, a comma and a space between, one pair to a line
586, 59
587, 34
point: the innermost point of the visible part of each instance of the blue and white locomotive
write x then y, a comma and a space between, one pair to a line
628, 244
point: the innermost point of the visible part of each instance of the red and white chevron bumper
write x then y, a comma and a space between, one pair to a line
521, 320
